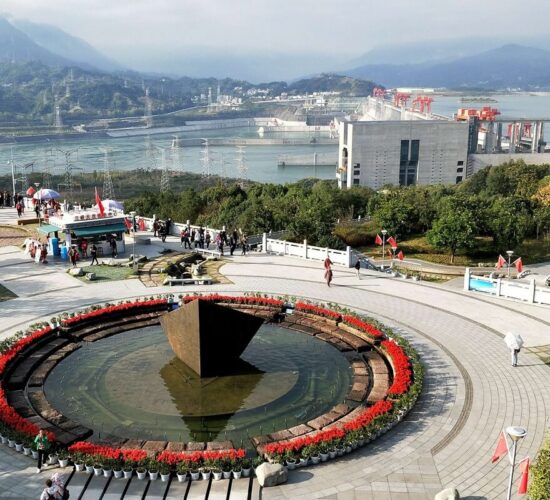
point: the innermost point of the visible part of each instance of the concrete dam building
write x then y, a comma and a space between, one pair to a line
396, 145
376, 153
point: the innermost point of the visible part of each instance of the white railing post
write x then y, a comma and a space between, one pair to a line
532, 290
348, 257
305, 249
467, 279
498, 288
264, 243
284, 247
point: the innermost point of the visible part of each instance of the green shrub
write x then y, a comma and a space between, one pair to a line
539, 487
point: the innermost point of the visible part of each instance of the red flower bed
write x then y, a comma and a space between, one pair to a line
319, 311
367, 328
173, 457
111, 309
107, 451
402, 376
366, 417
297, 444
258, 301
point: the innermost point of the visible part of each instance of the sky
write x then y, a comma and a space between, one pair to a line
145, 33
347, 26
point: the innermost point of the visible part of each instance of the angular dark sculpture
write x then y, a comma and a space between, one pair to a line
207, 337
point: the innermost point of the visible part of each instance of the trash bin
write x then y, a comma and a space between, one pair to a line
54, 247
64, 253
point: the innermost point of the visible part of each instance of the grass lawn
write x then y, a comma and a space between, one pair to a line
6, 294
417, 247
106, 273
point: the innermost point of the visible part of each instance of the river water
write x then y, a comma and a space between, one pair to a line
130, 153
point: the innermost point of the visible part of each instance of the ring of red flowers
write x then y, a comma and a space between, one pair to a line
403, 377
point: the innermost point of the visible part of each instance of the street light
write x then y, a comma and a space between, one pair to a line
384, 232
509, 253
515, 433
133, 214
37, 184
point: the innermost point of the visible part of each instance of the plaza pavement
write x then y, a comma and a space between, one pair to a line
471, 392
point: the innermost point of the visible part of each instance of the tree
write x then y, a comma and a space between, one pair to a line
509, 220
395, 214
454, 229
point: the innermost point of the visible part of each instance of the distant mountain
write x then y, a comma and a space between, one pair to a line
508, 66
16, 46
330, 82
67, 46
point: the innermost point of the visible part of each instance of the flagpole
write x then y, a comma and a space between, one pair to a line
384, 232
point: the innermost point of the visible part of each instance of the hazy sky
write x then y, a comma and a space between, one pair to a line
349, 27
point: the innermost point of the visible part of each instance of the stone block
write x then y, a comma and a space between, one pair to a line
219, 445
448, 494
91, 276
271, 475
175, 446
195, 446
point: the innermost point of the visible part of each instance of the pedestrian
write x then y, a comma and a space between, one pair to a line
155, 228
244, 244
327, 263
2, 199
84, 248
357, 268
168, 225
197, 239
37, 209
232, 244
207, 239
515, 351
219, 240
19, 209
42, 444
44, 254
114, 252
73, 253
328, 276
93, 253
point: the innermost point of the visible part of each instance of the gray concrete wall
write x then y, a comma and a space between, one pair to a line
376, 147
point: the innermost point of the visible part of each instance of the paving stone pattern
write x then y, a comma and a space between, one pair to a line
471, 392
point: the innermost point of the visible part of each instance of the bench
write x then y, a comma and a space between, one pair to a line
201, 280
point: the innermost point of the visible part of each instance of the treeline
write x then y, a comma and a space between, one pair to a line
307, 209
508, 203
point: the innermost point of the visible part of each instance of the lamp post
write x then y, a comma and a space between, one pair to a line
384, 232
509, 253
515, 433
393, 250
133, 214
37, 184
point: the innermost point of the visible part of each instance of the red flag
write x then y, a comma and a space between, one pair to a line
392, 242
524, 467
501, 262
501, 449
400, 255
99, 204
519, 264
128, 223
378, 240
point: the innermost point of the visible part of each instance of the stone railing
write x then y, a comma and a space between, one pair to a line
513, 289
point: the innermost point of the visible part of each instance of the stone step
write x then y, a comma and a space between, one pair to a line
380, 376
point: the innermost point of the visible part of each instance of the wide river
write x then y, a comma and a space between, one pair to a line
261, 160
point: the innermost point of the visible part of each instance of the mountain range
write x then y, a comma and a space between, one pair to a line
477, 63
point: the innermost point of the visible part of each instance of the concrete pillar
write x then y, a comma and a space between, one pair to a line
348, 257
532, 290
264, 243
305, 249
467, 279
499, 285
188, 223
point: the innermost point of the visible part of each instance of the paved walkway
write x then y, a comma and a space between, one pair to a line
471, 391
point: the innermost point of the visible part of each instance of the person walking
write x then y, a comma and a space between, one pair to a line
84, 248
114, 251
357, 268
244, 244
327, 263
155, 228
73, 255
328, 276
44, 254
42, 445
514, 351
207, 239
19, 209
93, 253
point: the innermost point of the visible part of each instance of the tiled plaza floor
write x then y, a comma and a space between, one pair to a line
471, 392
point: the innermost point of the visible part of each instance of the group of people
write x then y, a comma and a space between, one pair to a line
202, 238
5, 199
55, 486
161, 228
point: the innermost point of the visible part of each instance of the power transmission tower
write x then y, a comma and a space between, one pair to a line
206, 159
242, 167
108, 190
49, 164
69, 167
165, 175
148, 109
